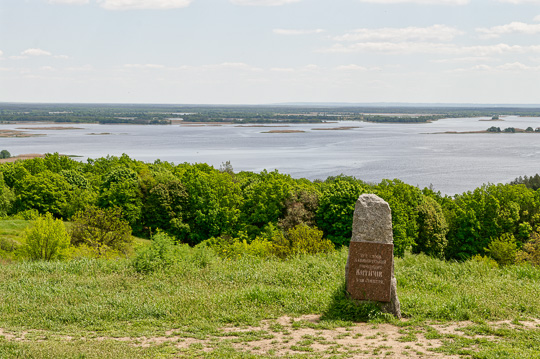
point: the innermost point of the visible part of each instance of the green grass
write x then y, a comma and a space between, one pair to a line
201, 294
12, 237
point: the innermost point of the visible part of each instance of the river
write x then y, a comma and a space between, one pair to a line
419, 154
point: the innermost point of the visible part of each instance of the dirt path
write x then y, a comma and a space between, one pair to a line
286, 336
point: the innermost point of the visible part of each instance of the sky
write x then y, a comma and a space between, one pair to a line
270, 51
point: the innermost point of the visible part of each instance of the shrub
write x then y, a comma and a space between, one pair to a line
8, 244
159, 255
28, 215
229, 247
531, 251
307, 240
102, 230
503, 249
46, 239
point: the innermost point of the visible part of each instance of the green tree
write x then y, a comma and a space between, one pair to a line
120, 188
164, 207
300, 209
46, 192
46, 239
336, 208
432, 229
102, 230
6, 197
5, 154
265, 196
404, 200
213, 204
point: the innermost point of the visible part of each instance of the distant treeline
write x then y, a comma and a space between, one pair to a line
196, 202
161, 114
402, 119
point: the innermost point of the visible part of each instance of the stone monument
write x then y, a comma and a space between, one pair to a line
369, 273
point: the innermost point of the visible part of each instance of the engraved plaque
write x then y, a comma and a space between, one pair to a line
370, 271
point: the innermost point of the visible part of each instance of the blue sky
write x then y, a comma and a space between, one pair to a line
270, 51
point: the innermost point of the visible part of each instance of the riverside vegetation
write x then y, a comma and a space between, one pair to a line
232, 254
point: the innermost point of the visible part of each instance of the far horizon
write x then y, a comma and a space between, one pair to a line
294, 104
270, 51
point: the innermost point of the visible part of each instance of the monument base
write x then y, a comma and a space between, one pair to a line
392, 306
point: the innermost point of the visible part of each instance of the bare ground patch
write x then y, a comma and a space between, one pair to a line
307, 335
17, 133
55, 128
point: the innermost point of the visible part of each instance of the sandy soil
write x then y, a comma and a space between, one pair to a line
27, 156
58, 128
16, 133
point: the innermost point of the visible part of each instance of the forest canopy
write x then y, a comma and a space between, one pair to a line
197, 203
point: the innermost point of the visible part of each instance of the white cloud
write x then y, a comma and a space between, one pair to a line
351, 67
228, 65
311, 67
297, 31
537, 18
144, 66
1, 53
143, 4
282, 69
430, 48
70, 2
464, 59
435, 32
263, 2
508, 67
83, 68
35, 52
521, 1
511, 28
425, 2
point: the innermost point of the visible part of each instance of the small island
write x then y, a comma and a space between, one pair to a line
494, 129
284, 131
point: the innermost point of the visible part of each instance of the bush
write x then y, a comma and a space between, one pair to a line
159, 255
531, 251
503, 249
46, 239
307, 240
102, 230
229, 247
9, 245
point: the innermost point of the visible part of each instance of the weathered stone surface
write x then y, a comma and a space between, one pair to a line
370, 271
371, 252
372, 221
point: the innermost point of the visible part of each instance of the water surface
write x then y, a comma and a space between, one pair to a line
371, 152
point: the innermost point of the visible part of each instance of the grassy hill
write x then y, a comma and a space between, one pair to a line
207, 307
